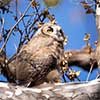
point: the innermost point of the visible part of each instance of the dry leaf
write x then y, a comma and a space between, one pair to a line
96, 42
4, 2
87, 37
33, 3
78, 73
72, 74
85, 5
90, 11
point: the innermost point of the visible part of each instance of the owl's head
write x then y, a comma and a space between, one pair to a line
52, 30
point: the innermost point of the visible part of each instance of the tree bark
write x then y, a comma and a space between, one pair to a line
81, 58
59, 91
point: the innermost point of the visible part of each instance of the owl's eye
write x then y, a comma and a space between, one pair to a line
50, 29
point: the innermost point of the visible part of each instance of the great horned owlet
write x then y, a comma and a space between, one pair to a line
39, 56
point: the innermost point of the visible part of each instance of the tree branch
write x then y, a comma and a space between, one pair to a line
73, 91
81, 58
8, 35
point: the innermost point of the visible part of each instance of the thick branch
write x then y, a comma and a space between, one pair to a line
81, 59
73, 91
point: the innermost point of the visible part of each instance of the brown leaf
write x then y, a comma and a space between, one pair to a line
33, 3
85, 5
77, 73
72, 74
87, 37
90, 11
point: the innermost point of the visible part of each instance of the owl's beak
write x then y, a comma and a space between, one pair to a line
65, 40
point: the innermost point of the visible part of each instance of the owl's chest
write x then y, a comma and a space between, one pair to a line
37, 43
57, 48
43, 46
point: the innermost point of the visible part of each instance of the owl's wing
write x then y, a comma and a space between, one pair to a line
34, 67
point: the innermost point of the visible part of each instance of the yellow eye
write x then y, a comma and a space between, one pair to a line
50, 29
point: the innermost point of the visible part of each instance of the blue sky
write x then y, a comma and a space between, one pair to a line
75, 23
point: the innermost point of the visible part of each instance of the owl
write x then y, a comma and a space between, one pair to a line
39, 56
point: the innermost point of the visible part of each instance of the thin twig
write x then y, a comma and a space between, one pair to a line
8, 35
16, 8
39, 17
2, 28
64, 78
90, 72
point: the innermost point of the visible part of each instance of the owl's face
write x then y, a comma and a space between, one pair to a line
52, 30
